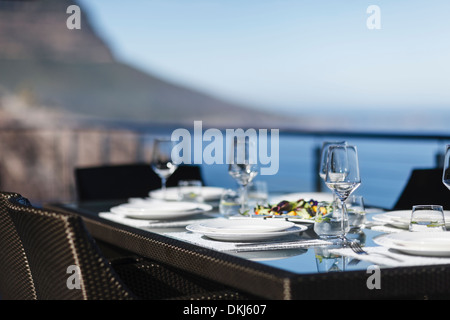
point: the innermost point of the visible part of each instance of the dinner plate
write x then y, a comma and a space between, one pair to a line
401, 218
244, 226
417, 243
245, 236
160, 211
208, 193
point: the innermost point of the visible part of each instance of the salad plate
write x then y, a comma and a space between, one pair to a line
317, 196
160, 210
301, 210
417, 243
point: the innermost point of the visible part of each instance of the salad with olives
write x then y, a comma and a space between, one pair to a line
303, 209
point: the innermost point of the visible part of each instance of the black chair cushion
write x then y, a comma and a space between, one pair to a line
115, 182
126, 181
424, 187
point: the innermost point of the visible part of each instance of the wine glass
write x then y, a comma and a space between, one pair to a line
242, 166
343, 177
324, 159
446, 173
162, 162
324, 156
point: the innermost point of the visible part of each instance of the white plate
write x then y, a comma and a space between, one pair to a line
208, 193
401, 218
318, 196
417, 243
275, 218
245, 236
158, 206
160, 211
245, 226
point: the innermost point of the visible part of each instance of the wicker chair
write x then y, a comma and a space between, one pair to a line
50, 255
16, 282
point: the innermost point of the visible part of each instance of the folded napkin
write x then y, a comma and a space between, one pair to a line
288, 242
385, 257
381, 227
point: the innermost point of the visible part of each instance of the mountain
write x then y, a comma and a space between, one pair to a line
74, 72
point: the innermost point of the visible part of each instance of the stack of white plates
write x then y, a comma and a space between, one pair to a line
172, 193
245, 230
402, 218
417, 243
159, 210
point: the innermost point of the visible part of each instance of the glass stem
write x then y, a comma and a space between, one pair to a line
244, 198
343, 218
163, 187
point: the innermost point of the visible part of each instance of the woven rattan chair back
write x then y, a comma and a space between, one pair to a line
16, 281
49, 255
64, 261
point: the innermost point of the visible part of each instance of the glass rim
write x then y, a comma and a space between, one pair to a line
432, 206
348, 146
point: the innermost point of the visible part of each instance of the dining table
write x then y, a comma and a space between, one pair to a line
296, 265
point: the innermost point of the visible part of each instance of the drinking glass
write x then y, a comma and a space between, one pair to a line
446, 173
230, 202
356, 211
327, 222
258, 193
343, 177
427, 218
243, 166
162, 162
190, 190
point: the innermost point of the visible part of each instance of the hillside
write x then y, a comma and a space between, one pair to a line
74, 72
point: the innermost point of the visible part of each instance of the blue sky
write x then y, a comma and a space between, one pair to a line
288, 55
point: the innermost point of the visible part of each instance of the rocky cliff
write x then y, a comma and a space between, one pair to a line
74, 71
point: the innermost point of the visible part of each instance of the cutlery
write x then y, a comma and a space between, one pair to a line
356, 247
287, 243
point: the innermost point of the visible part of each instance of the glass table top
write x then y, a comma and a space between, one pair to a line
316, 259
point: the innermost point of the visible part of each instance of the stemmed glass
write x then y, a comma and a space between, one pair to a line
324, 159
446, 173
162, 162
242, 166
343, 177
324, 156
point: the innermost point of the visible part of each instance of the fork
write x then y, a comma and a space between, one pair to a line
356, 247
